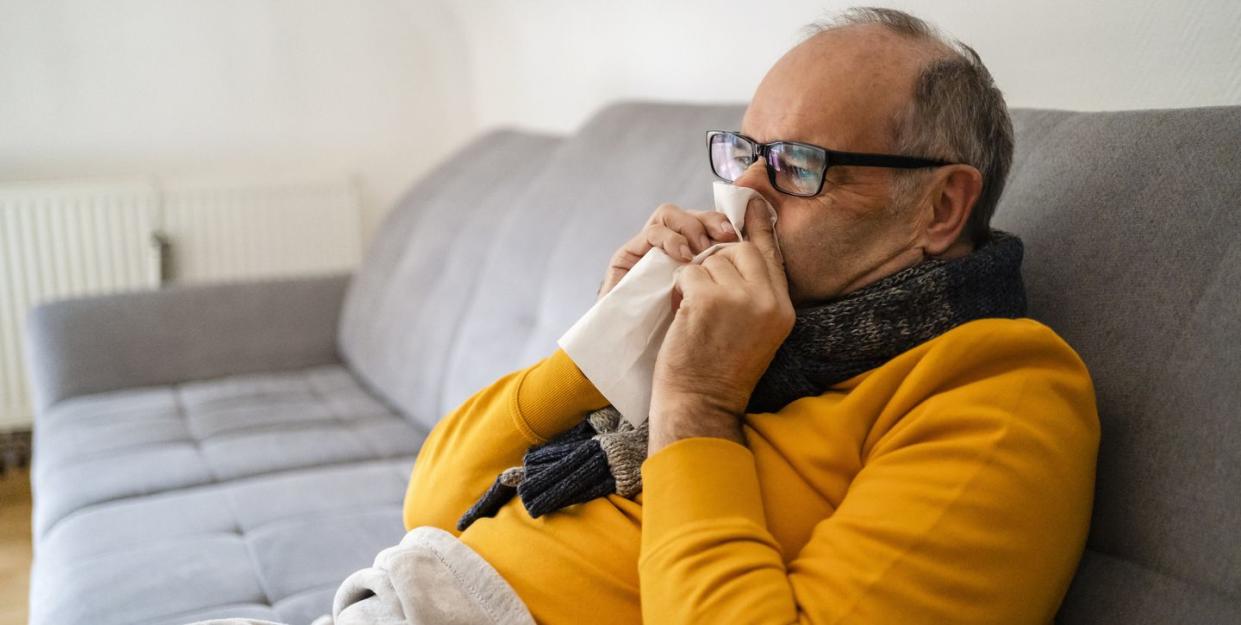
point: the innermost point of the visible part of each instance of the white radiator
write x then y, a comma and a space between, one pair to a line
223, 231
63, 239
60, 240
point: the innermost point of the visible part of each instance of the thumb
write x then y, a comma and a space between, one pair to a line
760, 231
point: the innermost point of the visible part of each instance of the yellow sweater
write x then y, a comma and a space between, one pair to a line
953, 484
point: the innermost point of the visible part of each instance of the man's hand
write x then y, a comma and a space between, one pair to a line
679, 233
734, 312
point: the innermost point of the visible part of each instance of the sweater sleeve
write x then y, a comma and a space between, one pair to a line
972, 507
490, 432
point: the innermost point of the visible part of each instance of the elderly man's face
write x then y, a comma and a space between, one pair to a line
841, 89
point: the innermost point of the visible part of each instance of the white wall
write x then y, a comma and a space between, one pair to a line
549, 63
385, 88
253, 88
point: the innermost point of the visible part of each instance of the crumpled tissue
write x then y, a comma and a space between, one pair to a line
615, 343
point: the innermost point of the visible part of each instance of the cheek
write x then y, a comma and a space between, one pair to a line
804, 247
819, 251
786, 235
802, 237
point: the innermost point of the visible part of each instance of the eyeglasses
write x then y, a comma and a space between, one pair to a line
792, 167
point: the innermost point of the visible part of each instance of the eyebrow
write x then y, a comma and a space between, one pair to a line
787, 140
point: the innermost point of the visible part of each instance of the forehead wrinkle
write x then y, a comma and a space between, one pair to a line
789, 124
807, 113
784, 128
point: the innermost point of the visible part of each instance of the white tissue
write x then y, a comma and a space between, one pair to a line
615, 343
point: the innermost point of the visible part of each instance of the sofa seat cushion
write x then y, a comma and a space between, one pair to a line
250, 495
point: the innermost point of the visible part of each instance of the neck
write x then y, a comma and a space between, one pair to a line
904, 260
961, 248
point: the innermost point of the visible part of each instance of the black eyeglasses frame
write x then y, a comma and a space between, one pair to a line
830, 159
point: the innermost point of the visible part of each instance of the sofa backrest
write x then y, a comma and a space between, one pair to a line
404, 305
1132, 227
544, 271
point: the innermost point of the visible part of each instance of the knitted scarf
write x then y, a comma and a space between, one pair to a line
830, 342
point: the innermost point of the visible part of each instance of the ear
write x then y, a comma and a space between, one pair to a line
952, 194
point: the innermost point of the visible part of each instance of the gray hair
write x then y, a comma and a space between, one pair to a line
956, 113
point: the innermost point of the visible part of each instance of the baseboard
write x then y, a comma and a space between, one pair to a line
14, 450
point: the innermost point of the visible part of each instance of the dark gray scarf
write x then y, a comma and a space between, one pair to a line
829, 343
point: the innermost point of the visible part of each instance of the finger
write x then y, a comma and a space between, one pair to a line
683, 223
724, 272
630, 253
748, 260
691, 279
760, 231
718, 226
624, 259
687, 280
669, 241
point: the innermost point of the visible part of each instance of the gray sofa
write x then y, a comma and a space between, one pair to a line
239, 449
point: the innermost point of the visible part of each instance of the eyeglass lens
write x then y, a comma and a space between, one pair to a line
797, 169
731, 155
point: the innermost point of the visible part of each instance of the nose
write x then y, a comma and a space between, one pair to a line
754, 177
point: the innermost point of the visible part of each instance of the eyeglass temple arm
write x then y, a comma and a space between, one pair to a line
859, 159
881, 160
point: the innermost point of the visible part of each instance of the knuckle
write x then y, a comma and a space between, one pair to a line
664, 210
709, 299
763, 305
685, 275
782, 312
770, 307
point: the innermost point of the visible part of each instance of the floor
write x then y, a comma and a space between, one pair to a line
14, 545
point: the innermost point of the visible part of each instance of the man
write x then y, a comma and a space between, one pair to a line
921, 453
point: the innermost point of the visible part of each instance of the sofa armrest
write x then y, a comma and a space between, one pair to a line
180, 333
